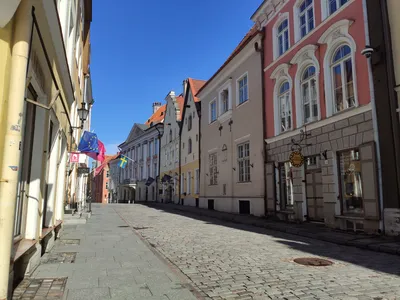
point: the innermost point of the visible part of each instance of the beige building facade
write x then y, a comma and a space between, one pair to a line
231, 144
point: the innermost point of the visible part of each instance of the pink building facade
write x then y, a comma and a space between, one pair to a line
318, 101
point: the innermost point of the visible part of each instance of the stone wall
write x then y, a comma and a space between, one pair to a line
345, 134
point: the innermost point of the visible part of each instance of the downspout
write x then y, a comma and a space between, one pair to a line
261, 50
374, 121
180, 161
159, 160
199, 179
22, 42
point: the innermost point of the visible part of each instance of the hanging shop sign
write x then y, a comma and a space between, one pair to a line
83, 171
296, 159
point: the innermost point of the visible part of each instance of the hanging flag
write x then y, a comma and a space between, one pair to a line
100, 154
123, 161
89, 143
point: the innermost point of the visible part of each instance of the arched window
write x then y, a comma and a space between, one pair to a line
283, 37
190, 123
306, 17
170, 135
309, 95
190, 146
343, 83
285, 106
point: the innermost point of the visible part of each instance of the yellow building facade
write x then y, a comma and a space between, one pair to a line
189, 166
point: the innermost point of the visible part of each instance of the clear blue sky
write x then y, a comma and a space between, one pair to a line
142, 49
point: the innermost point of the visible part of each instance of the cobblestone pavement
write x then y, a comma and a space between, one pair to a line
231, 261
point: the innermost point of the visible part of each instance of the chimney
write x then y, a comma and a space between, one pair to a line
184, 84
156, 106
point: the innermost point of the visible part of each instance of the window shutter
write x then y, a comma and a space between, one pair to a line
369, 181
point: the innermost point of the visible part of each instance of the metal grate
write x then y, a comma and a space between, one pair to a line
59, 257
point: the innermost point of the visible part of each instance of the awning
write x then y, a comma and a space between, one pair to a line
7, 11
149, 181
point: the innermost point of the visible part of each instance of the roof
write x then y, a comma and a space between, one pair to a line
142, 126
180, 100
196, 85
247, 38
158, 116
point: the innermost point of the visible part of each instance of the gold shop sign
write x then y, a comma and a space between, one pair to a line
296, 159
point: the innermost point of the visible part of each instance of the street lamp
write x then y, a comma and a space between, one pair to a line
83, 113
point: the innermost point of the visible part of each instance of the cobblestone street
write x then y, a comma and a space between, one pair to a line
231, 261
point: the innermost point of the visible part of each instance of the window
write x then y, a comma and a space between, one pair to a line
197, 137
170, 135
197, 181
156, 146
306, 17
285, 107
351, 182
342, 69
182, 183
244, 162
283, 37
213, 111
213, 169
286, 185
224, 101
148, 171
190, 146
309, 95
150, 149
137, 152
141, 173
142, 152
190, 123
243, 90
135, 173
107, 185
189, 183
334, 5
155, 171
108, 173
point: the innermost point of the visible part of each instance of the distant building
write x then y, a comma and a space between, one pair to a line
101, 181
231, 144
189, 168
169, 160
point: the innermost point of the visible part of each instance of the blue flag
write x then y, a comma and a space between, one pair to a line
89, 143
123, 161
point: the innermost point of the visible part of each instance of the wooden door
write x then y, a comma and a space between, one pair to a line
315, 199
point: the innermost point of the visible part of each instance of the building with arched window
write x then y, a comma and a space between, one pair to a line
318, 102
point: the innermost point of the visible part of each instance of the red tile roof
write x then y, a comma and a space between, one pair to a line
196, 85
247, 38
180, 100
158, 116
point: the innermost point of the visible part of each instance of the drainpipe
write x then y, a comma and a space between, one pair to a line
374, 121
159, 160
260, 49
22, 40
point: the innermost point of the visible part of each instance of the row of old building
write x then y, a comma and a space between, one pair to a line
45, 99
315, 80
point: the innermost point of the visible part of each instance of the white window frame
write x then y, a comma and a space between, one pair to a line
243, 159
182, 183
275, 42
238, 89
189, 183
226, 87
197, 181
335, 36
285, 96
212, 182
211, 120
281, 74
304, 58
297, 15
325, 13
344, 88
309, 96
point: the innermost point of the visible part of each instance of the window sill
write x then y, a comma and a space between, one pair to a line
20, 248
239, 105
225, 116
244, 182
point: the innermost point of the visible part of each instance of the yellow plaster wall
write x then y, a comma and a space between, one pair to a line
192, 168
6, 34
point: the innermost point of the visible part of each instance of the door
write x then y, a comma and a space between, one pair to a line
315, 199
147, 194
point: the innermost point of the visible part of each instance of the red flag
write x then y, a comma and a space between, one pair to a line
98, 170
98, 156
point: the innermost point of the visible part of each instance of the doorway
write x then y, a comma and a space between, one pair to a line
314, 195
244, 207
